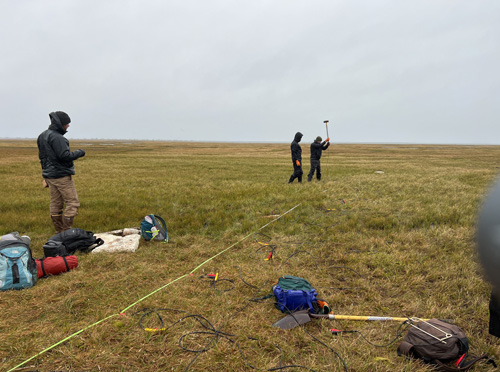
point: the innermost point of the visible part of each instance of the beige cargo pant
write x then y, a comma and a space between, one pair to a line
63, 191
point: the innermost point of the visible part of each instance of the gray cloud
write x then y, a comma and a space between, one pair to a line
380, 71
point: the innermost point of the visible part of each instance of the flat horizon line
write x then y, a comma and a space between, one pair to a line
259, 142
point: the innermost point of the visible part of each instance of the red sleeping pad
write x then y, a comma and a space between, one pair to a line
55, 265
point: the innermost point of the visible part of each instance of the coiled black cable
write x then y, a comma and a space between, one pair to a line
216, 336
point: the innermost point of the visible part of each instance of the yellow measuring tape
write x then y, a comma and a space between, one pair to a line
148, 295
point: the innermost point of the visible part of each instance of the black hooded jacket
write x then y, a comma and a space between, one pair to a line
295, 148
53, 151
317, 148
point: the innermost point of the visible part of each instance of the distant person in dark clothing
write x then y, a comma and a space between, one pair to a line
296, 158
58, 170
317, 148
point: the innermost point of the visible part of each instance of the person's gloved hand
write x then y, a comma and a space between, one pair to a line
328, 139
80, 153
297, 162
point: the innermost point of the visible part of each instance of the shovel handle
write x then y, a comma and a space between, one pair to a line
371, 318
359, 317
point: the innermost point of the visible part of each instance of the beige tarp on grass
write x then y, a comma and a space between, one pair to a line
126, 240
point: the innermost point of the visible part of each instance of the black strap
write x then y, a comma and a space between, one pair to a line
43, 267
66, 263
15, 273
162, 221
465, 366
164, 226
96, 244
262, 298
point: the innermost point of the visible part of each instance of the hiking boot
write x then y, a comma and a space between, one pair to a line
67, 223
57, 220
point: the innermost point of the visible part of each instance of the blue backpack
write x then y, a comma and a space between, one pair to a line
17, 266
153, 227
293, 293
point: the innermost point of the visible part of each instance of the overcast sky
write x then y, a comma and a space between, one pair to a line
390, 71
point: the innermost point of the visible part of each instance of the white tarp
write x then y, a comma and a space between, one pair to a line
126, 240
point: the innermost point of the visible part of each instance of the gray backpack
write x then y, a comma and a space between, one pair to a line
439, 343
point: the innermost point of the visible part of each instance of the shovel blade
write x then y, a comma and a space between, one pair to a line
293, 320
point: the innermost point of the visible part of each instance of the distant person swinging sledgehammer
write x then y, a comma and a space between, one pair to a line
317, 148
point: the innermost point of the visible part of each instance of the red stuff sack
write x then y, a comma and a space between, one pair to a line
55, 265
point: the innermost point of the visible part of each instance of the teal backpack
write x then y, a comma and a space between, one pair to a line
153, 227
17, 266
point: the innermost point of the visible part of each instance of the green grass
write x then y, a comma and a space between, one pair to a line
399, 244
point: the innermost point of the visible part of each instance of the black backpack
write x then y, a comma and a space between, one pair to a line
439, 343
68, 242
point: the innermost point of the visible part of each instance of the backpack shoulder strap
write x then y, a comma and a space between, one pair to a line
163, 226
96, 244
162, 221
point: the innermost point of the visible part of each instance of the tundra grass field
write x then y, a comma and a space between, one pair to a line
398, 243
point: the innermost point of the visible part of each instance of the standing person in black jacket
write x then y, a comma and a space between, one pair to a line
58, 170
296, 158
317, 148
